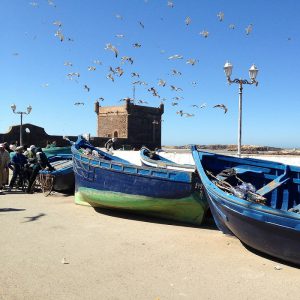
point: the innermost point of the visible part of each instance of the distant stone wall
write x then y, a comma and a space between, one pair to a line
37, 136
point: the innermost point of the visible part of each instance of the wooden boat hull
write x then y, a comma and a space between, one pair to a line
64, 180
190, 209
65, 183
149, 191
267, 229
267, 234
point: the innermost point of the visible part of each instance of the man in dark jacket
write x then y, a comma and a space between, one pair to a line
111, 143
42, 162
18, 161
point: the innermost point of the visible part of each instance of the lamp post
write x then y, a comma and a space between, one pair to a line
252, 74
21, 113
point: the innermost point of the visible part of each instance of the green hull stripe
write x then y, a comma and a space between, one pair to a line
189, 209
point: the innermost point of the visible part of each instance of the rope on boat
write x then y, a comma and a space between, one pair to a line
224, 185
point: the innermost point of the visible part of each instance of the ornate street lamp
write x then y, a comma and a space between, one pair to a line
252, 74
21, 113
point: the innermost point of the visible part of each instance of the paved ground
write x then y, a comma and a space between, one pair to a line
119, 256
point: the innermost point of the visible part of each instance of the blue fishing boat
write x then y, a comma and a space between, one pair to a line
62, 178
103, 180
256, 200
153, 159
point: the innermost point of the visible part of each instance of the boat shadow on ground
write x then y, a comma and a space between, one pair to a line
18, 192
208, 222
269, 257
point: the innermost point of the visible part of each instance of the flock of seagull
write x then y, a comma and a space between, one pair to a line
118, 71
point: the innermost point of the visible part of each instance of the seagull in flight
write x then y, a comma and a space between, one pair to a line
120, 36
68, 64
92, 68
187, 115
86, 87
120, 71
175, 72
170, 4
136, 45
187, 21
222, 106
141, 24
177, 98
134, 74
142, 102
192, 61
176, 89
220, 16
110, 47
57, 23
204, 33
79, 103
127, 58
175, 56
231, 26
97, 62
110, 76
162, 82
154, 92
100, 99
140, 82
71, 75
60, 35
249, 29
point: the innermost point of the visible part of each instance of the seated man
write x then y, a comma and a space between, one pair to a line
42, 162
110, 144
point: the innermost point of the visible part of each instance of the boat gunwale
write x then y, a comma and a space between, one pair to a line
189, 175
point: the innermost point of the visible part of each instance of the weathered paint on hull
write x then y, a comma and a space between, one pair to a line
189, 209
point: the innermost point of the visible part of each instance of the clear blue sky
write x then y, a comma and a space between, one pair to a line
271, 111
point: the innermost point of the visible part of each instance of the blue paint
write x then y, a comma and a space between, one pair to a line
64, 180
269, 228
109, 173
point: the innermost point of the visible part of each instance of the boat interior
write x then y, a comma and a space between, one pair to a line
154, 156
269, 183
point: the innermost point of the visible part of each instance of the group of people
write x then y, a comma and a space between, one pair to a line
22, 163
